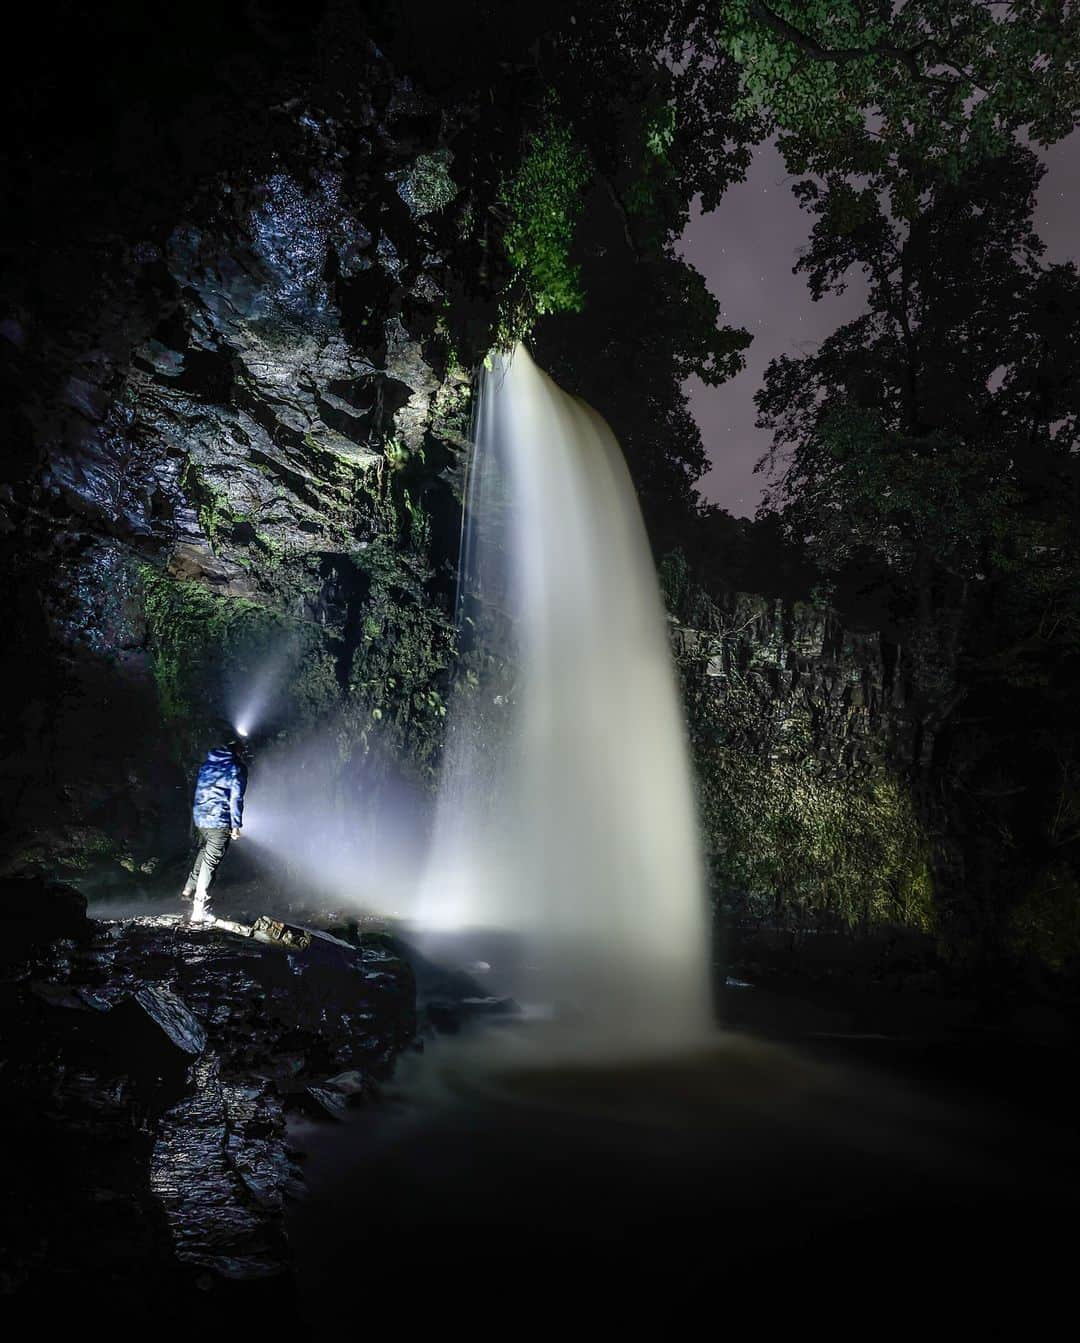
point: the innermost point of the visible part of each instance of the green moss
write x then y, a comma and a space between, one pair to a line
406, 643
543, 201
794, 843
1045, 924
395, 452
215, 513
206, 648
428, 186
793, 834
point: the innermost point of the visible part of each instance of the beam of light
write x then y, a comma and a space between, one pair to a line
258, 691
344, 833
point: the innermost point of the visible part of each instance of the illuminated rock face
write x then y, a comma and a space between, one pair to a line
806, 738
255, 408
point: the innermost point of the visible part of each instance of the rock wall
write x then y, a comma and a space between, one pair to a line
806, 745
251, 440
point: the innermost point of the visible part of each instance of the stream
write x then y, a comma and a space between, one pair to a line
769, 1161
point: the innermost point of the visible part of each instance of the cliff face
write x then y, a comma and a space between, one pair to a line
806, 745
247, 447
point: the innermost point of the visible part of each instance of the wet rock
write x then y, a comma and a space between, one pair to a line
219, 1168
190, 561
255, 1149
172, 1018
224, 412
320, 1102
356, 1086
214, 1224
70, 998
35, 912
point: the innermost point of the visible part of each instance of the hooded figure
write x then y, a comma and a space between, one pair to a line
218, 812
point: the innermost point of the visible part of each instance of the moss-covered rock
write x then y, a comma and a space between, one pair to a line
208, 650
807, 811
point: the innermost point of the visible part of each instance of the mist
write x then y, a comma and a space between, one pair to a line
335, 826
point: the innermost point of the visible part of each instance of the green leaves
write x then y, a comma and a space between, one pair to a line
543, 201
207, 648
938, 86
660, 130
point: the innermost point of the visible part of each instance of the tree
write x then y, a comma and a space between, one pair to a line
933, 459
880, 89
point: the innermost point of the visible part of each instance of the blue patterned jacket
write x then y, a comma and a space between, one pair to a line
219, 792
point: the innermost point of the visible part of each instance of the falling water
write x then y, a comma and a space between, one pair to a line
566, 812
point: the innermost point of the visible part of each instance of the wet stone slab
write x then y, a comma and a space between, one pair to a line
220, 1171
148, 1073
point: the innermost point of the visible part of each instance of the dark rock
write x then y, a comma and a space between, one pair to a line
321, 1102
71, 998
491, 1006
351, 1083
199, 1185
157, 1064
167, 1012
34, 912
189, 561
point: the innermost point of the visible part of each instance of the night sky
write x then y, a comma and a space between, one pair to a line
746, 248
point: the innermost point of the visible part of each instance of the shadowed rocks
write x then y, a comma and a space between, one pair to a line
148, 1072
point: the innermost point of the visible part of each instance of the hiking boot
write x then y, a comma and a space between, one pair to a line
200, 916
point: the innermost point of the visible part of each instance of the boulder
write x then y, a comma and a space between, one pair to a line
35, 912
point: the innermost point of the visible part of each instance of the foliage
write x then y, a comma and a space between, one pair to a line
653, 180
857, 87
940, 416
206, 648
925, 455
790, 836
543, 201
652, 96
874, 490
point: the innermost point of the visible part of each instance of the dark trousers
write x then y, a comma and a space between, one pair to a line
213, 841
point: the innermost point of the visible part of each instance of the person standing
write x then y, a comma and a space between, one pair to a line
218, 812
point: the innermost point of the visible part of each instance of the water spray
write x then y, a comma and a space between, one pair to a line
566, 811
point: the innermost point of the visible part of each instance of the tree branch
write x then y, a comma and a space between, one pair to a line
907, 56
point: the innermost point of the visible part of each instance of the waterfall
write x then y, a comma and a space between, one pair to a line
566, 813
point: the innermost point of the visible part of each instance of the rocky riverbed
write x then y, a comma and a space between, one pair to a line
149, 1069
170, 1098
